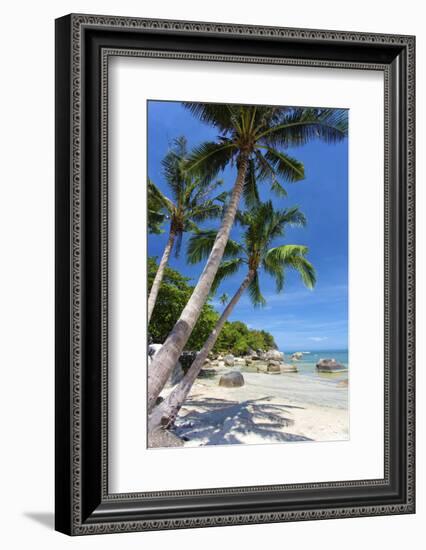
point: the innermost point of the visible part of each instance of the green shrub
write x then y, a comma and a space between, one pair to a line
174, 293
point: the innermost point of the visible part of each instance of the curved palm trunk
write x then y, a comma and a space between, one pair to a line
159, 275
169, 354
165, 413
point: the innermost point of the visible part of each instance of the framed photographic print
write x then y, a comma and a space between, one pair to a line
234, 274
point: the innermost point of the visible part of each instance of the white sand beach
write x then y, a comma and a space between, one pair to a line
267, 409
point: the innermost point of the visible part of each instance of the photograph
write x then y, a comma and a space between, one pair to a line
247, 274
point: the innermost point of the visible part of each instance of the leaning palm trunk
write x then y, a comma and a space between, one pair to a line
159, 275
167, 357
166, 413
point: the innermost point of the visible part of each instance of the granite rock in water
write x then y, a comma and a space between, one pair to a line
288, 368
232, 379
329, 365
274, 355
297, 356
229, 360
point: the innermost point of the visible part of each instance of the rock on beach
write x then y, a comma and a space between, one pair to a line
232, 379
285, 367
229, 360
329, 365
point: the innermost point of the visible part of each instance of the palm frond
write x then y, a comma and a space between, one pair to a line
242, 217
158, 198
278, 220
190, 226
305, 269
155, 220
204, 192
174, 168
292, 216
219, 115
226, 269
201, 243
251, 192
264, 169
276, 271
206, 211
278, 189
300, 125
289, 168
280, 254
209, 158
255, 294
222, 198
293, 256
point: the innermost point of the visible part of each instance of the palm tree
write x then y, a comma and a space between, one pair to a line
156, 212
223, 298
191, 203
254, 139
263, 225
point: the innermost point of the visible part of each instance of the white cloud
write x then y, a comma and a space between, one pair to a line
318, 338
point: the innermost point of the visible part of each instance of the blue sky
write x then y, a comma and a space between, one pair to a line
299, 319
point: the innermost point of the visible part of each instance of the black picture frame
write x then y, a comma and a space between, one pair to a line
83, 504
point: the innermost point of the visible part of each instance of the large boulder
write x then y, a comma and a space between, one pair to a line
232, 379
285, 368
274, 367
329, 365
229, 360
274, 355
261, 367
177, 373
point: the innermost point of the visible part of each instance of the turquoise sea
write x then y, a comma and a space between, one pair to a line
307, 365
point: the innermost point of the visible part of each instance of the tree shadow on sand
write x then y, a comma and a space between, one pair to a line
222, 422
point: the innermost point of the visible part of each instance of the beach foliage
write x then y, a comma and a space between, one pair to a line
174, 292
238, 339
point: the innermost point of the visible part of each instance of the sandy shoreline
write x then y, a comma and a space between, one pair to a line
267, 409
